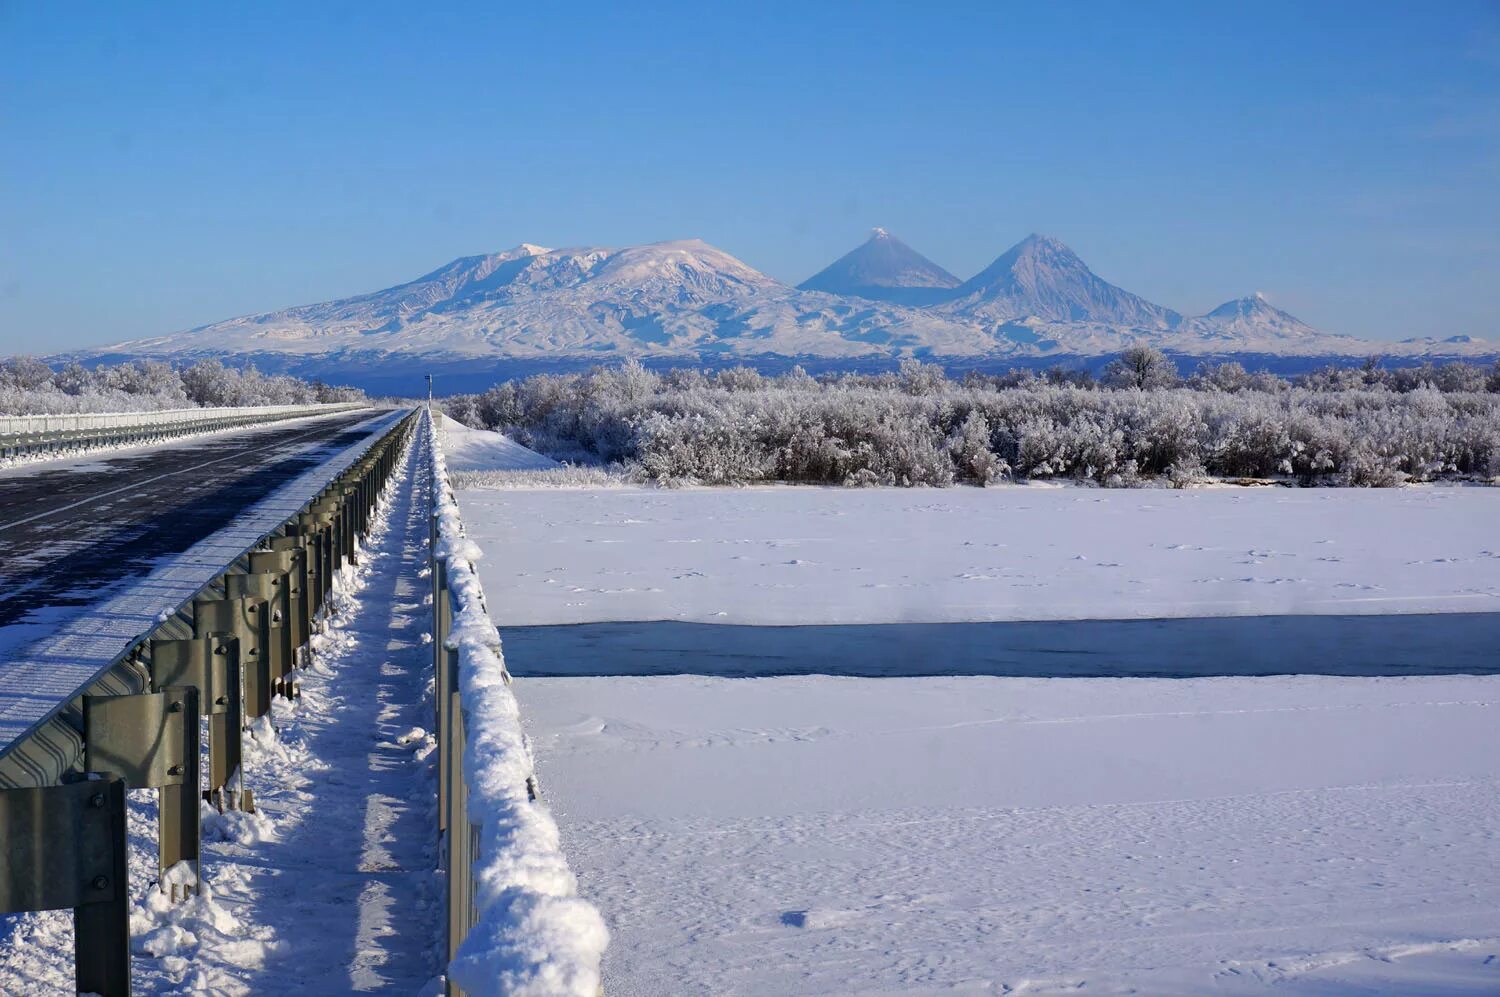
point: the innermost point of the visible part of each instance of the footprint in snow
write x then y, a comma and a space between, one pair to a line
816, 919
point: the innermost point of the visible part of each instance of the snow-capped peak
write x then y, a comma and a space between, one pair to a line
685, 262
883, 268
1040, 277
1251, 318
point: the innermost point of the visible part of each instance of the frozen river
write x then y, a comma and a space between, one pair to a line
1433, 644
818, 741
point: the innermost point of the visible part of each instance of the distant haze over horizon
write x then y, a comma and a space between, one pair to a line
169, 169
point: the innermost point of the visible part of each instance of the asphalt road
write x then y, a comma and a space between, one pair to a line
70, 532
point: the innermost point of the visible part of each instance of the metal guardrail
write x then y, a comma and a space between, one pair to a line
224, 653
483, 841
458, 835
23, 435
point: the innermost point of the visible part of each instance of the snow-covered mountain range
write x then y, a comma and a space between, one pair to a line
690, 300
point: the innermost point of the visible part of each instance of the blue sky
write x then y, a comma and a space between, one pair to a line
163, 166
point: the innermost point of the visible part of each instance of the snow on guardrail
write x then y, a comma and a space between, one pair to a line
531, 934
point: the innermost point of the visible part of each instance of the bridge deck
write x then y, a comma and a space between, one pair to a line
93, 554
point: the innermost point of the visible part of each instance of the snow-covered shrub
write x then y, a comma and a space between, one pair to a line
917, 427
970, 448
1187, 472
697, 449
1364, 468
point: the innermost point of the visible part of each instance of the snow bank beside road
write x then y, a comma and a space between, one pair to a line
533, 936
800, 555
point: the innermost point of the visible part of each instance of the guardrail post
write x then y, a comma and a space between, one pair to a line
328, 526
271, 589
288, 616
247, 618
353, 525
346, 510
330, 518
212, 666
460, 833
442, 624
65, 847
309, 535
151, 741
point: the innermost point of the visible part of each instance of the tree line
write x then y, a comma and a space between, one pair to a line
1139, 423
30, 387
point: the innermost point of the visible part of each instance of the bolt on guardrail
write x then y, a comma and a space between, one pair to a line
250, 628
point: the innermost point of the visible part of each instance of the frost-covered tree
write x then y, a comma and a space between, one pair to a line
1143, 367
1229, 376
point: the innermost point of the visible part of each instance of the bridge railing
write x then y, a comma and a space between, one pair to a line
223, 653
27, 435
516, 924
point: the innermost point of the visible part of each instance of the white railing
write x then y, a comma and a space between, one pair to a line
516, 925
29, 425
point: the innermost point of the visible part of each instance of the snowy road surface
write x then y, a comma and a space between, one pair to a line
827, 555
71, 531
982, 836
330, 887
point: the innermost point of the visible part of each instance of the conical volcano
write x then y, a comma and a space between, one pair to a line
884, 268
1040, 277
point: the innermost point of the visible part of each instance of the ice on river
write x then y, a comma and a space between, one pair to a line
788, 555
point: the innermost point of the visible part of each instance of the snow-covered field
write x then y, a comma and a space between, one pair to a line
831, 835
795, 555
824, 835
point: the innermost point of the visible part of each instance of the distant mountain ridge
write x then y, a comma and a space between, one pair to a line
694, 302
